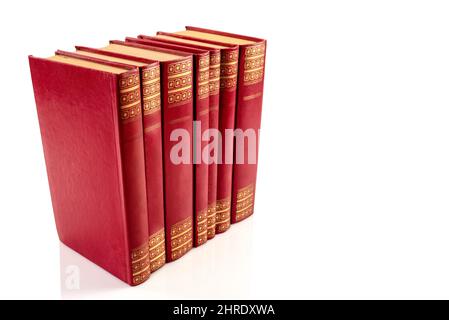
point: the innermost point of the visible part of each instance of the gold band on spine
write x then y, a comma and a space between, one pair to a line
179, 81
129, 96
152, 127
156, 245
151, 89
201, 227
203, 77
252, 96
140, 264
254, 64
223, 215
229, 69
181, 238
245, 202
211, 216
214, 73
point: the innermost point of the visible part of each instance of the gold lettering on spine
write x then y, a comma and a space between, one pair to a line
179, 82
151, 90
223, 215
245, 202
254, 64
129, 95
140, 264
156, 245
181, 238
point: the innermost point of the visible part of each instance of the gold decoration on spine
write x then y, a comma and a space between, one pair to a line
254, 64
223, 215
179, 82
140, 264
181, 96
156, 246
245, 202
201, 227
203, 77
129, 96
229, 68
151, 90
203, 90
181, 238
214, 73
252, 96
211, 213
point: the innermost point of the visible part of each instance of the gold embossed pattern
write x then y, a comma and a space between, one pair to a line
129, 96
211, 220
245, 202
223, 215
254, 64
140, 264
203, 77
181, 238
156, 246
214, 73
179, 82
151, 90
201, 226
228, 69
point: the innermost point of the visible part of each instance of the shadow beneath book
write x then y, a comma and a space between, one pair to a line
80, 276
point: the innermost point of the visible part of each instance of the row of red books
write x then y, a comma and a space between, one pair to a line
134, 143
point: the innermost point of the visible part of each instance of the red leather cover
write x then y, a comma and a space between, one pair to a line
91, 128
214, 72
248, 116
151, 102
201, 115
177, 113
228, 60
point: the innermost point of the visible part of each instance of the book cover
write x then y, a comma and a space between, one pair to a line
91, 127
151, 113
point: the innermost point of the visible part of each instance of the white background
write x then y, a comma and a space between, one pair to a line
352, 197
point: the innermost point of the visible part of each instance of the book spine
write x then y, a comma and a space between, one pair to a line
248, 117
133, 174
214, 102
228, 92
152, 130
201, 169
177, 117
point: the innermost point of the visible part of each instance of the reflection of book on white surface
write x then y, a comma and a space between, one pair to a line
227, 260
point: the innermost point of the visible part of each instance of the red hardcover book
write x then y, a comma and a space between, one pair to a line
152, 133
250, 80
177, 113
91, 127
201, 116
228, 57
